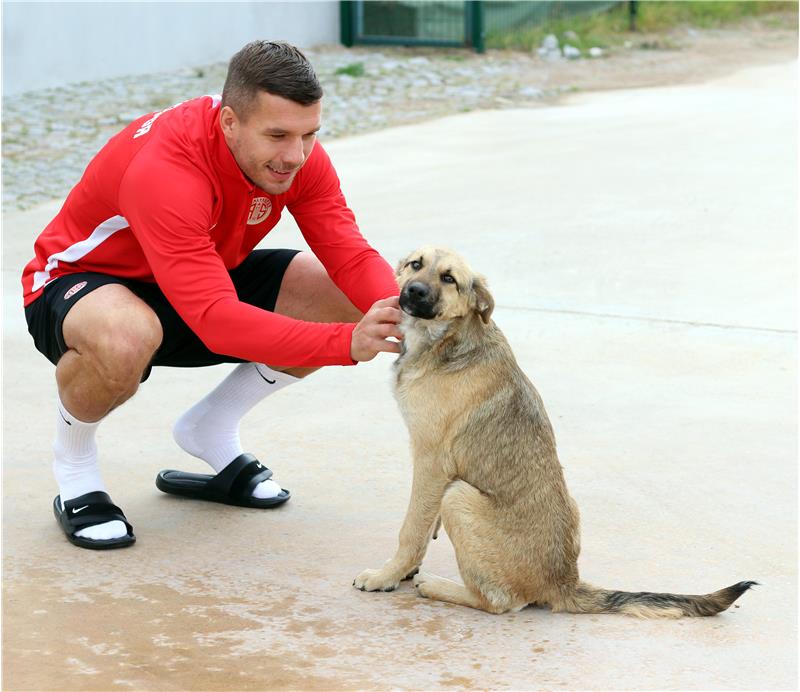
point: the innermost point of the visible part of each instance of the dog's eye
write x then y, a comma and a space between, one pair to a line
416, 265
446, 278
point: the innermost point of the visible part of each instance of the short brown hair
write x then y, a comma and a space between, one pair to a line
272, 66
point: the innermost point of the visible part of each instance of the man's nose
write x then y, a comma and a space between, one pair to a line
293, 156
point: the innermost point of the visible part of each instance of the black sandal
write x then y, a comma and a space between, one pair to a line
232, 486
91, 509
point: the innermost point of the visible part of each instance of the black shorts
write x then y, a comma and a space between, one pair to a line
257, 281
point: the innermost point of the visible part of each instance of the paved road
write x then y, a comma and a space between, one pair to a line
641, 246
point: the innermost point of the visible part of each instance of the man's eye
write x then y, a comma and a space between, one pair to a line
275, 137
446, 278
416, 265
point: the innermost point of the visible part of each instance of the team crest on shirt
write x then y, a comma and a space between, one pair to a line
260, 208
72, 291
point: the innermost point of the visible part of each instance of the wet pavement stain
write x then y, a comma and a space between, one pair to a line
152, 636
459, 682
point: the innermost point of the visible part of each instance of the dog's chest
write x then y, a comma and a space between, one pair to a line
423, 397
419, 337
419, 382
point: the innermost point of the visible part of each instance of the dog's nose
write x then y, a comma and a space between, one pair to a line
418, 290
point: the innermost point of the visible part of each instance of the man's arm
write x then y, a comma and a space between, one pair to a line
330, 229
171, 222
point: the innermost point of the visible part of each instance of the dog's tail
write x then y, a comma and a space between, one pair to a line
585, 598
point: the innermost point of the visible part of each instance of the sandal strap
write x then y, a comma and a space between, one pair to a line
240, 477
92, 509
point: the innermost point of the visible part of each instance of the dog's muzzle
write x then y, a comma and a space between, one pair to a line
418, 300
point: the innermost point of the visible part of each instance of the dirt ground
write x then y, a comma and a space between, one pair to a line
683, 56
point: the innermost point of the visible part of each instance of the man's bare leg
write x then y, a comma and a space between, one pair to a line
210, 429
112, 336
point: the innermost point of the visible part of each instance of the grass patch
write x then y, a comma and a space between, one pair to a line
610, 28
354, 69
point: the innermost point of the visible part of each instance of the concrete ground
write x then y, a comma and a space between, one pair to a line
641, 246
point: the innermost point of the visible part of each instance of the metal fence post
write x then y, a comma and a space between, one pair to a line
633, 9
346, 22
474, 10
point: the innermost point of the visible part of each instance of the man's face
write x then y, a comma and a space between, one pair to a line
274, 140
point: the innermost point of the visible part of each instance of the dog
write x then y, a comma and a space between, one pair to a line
485, 464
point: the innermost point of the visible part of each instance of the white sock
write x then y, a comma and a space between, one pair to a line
76, 471
210, 429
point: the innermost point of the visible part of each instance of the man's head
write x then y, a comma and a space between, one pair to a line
270, 112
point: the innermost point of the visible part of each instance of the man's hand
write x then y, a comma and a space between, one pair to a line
371, 333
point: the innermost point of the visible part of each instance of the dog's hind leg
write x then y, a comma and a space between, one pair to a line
466, 514
441, 589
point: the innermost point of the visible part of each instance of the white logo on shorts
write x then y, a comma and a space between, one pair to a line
259, 210
72, 291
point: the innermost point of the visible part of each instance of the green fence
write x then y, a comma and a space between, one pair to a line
449, 22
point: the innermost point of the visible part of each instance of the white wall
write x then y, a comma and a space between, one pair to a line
48, 44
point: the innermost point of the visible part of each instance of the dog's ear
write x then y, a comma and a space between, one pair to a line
402, 263
483, 299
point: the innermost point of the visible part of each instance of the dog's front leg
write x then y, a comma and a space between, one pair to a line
420, 523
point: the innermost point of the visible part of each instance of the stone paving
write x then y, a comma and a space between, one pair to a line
49, 136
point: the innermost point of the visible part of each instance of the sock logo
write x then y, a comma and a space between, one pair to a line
79, 509
264, 378
62, 416
72, 291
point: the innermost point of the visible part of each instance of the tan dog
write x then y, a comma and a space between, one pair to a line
485, 460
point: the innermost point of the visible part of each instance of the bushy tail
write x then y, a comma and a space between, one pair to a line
588, 599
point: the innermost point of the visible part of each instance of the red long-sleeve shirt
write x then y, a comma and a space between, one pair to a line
165, 201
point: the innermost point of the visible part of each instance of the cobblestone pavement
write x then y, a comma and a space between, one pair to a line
49, 136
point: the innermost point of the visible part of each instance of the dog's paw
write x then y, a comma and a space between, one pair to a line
376, 580
419, 584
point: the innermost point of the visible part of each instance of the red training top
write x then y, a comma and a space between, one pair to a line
165, 201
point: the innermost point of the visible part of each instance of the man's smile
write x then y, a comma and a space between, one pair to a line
280, 175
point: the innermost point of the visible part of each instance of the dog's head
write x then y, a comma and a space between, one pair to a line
437, 284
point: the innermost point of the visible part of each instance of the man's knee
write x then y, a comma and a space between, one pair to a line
304, 270
308, 293
122, 351
116, 332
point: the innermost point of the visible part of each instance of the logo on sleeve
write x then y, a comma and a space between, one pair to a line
72, 291
260, 208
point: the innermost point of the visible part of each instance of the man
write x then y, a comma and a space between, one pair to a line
151, 262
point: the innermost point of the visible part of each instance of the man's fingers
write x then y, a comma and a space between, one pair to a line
384, 330
388, 346
386, 314
387, 330
392, 302
371, 335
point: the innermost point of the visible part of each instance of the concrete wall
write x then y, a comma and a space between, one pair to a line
54, 43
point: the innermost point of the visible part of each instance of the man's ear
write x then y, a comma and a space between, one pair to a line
484, 303
228, 120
